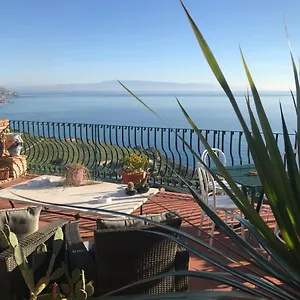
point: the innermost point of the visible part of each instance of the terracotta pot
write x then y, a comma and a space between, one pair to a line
134, 177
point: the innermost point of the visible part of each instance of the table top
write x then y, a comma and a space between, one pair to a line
239, 173
89, 197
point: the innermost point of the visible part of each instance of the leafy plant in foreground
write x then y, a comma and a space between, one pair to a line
281, 184
27, 272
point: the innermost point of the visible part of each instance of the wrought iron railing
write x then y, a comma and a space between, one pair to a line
50, 146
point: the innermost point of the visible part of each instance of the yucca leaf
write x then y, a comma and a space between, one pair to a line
203, 295
233, 271
217, 71
293, 276
263, 262
297, 85
294, 180
275, 169
294, 100
218, 276
270, 140
278, 207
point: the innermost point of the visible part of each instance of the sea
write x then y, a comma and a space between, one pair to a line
208, 110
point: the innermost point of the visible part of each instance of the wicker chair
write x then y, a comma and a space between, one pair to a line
12, 285
128, 255
78, 256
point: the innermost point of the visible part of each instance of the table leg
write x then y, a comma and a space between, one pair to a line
141, 209
259, 202
254, 197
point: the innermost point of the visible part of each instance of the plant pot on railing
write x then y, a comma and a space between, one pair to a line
134, 177
134, 168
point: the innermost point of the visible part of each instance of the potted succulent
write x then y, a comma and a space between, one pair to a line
142, 186
76, 174
134, 168
130, 190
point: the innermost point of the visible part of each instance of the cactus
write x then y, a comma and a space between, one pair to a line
142, 186
21, 260
75, 289
130, 186
143, 181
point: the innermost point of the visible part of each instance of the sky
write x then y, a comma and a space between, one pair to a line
75, 41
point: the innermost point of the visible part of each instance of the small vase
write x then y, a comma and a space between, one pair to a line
14, 143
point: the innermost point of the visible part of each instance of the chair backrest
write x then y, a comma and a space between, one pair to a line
207, 184
129, 254
218, 152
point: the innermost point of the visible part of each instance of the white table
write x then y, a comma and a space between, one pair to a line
88, 197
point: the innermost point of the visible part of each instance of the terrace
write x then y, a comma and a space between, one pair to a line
50, 146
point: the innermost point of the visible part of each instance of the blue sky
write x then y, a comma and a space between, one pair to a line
75, 41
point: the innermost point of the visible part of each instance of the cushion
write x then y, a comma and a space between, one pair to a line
22, 221
120, 222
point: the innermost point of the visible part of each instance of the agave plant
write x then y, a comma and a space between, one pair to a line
281, 184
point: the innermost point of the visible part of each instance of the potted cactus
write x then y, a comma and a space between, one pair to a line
76, 174
130, 190
142, 186
134, 168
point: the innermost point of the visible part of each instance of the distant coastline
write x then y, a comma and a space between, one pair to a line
6, 94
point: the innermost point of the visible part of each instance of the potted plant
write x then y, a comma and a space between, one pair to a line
134, 167
130, 190
142, 186
76, 174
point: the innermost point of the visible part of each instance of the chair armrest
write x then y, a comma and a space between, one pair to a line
78, 256
181, 263
31, 242
11, 278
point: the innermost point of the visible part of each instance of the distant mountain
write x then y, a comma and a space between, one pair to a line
134, 85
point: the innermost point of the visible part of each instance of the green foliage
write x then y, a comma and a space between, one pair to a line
22, 262
281, 184
135, 162
75, 288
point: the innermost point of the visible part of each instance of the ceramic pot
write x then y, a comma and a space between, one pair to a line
13, 143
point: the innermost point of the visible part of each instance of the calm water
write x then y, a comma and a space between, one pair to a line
208, 111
